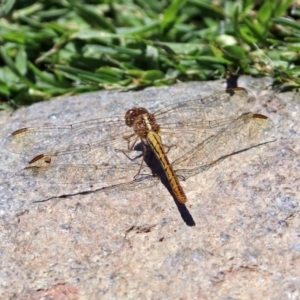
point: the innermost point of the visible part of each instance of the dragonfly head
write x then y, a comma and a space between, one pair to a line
133, 113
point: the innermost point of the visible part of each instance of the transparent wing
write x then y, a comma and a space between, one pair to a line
247, 131
84, 164
82, 136
226, 104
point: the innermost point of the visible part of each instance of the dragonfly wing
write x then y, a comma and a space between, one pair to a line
245, 132
86, 164
33, 141
79, 174
222, 105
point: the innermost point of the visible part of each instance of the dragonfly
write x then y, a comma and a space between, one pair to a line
185, 138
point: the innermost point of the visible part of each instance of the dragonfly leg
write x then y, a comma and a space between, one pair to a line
131, 144
125, 153
141, 164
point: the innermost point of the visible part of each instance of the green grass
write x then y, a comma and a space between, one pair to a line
51, 48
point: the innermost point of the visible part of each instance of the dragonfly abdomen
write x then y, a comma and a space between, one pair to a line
155, 143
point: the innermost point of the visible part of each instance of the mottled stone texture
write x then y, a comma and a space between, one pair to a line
133, 243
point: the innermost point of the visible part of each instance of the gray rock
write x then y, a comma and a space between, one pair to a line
133, 241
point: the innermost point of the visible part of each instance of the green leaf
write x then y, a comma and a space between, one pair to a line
21, 61
92, 17
153, 75
287, 22
171, 13
6, 7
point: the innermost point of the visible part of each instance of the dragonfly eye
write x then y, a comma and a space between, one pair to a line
130, 117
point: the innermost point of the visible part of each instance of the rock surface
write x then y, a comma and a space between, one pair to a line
135, 242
